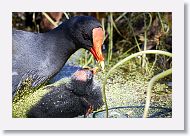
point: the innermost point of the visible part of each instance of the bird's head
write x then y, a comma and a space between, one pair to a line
82, 82
88, 34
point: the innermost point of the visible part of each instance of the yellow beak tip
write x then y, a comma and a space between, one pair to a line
102, 65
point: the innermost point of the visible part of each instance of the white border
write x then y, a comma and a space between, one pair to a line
174, 123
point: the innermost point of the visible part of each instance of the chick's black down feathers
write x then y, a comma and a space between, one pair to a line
70, 100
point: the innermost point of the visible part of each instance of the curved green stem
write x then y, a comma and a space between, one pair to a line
123, 61
150, 22
162, 24
149, 91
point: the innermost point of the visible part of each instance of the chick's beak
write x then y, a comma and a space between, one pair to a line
96, 50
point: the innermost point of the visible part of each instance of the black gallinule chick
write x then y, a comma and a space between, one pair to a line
37, 57
79, 95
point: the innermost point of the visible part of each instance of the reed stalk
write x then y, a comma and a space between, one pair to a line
49, 19
66, 15
110, 28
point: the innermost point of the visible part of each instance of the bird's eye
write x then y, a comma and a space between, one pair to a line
86, 36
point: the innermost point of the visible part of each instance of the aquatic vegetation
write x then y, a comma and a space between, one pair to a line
129, 73
123, 61
22, 105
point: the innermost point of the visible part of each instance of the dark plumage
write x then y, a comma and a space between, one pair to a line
79, 97
39, 56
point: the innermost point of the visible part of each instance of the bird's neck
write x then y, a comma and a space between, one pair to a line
62, 46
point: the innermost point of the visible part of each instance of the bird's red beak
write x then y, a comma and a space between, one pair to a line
96, 50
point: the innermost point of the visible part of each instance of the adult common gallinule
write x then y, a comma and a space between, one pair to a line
80, 95
36, 57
